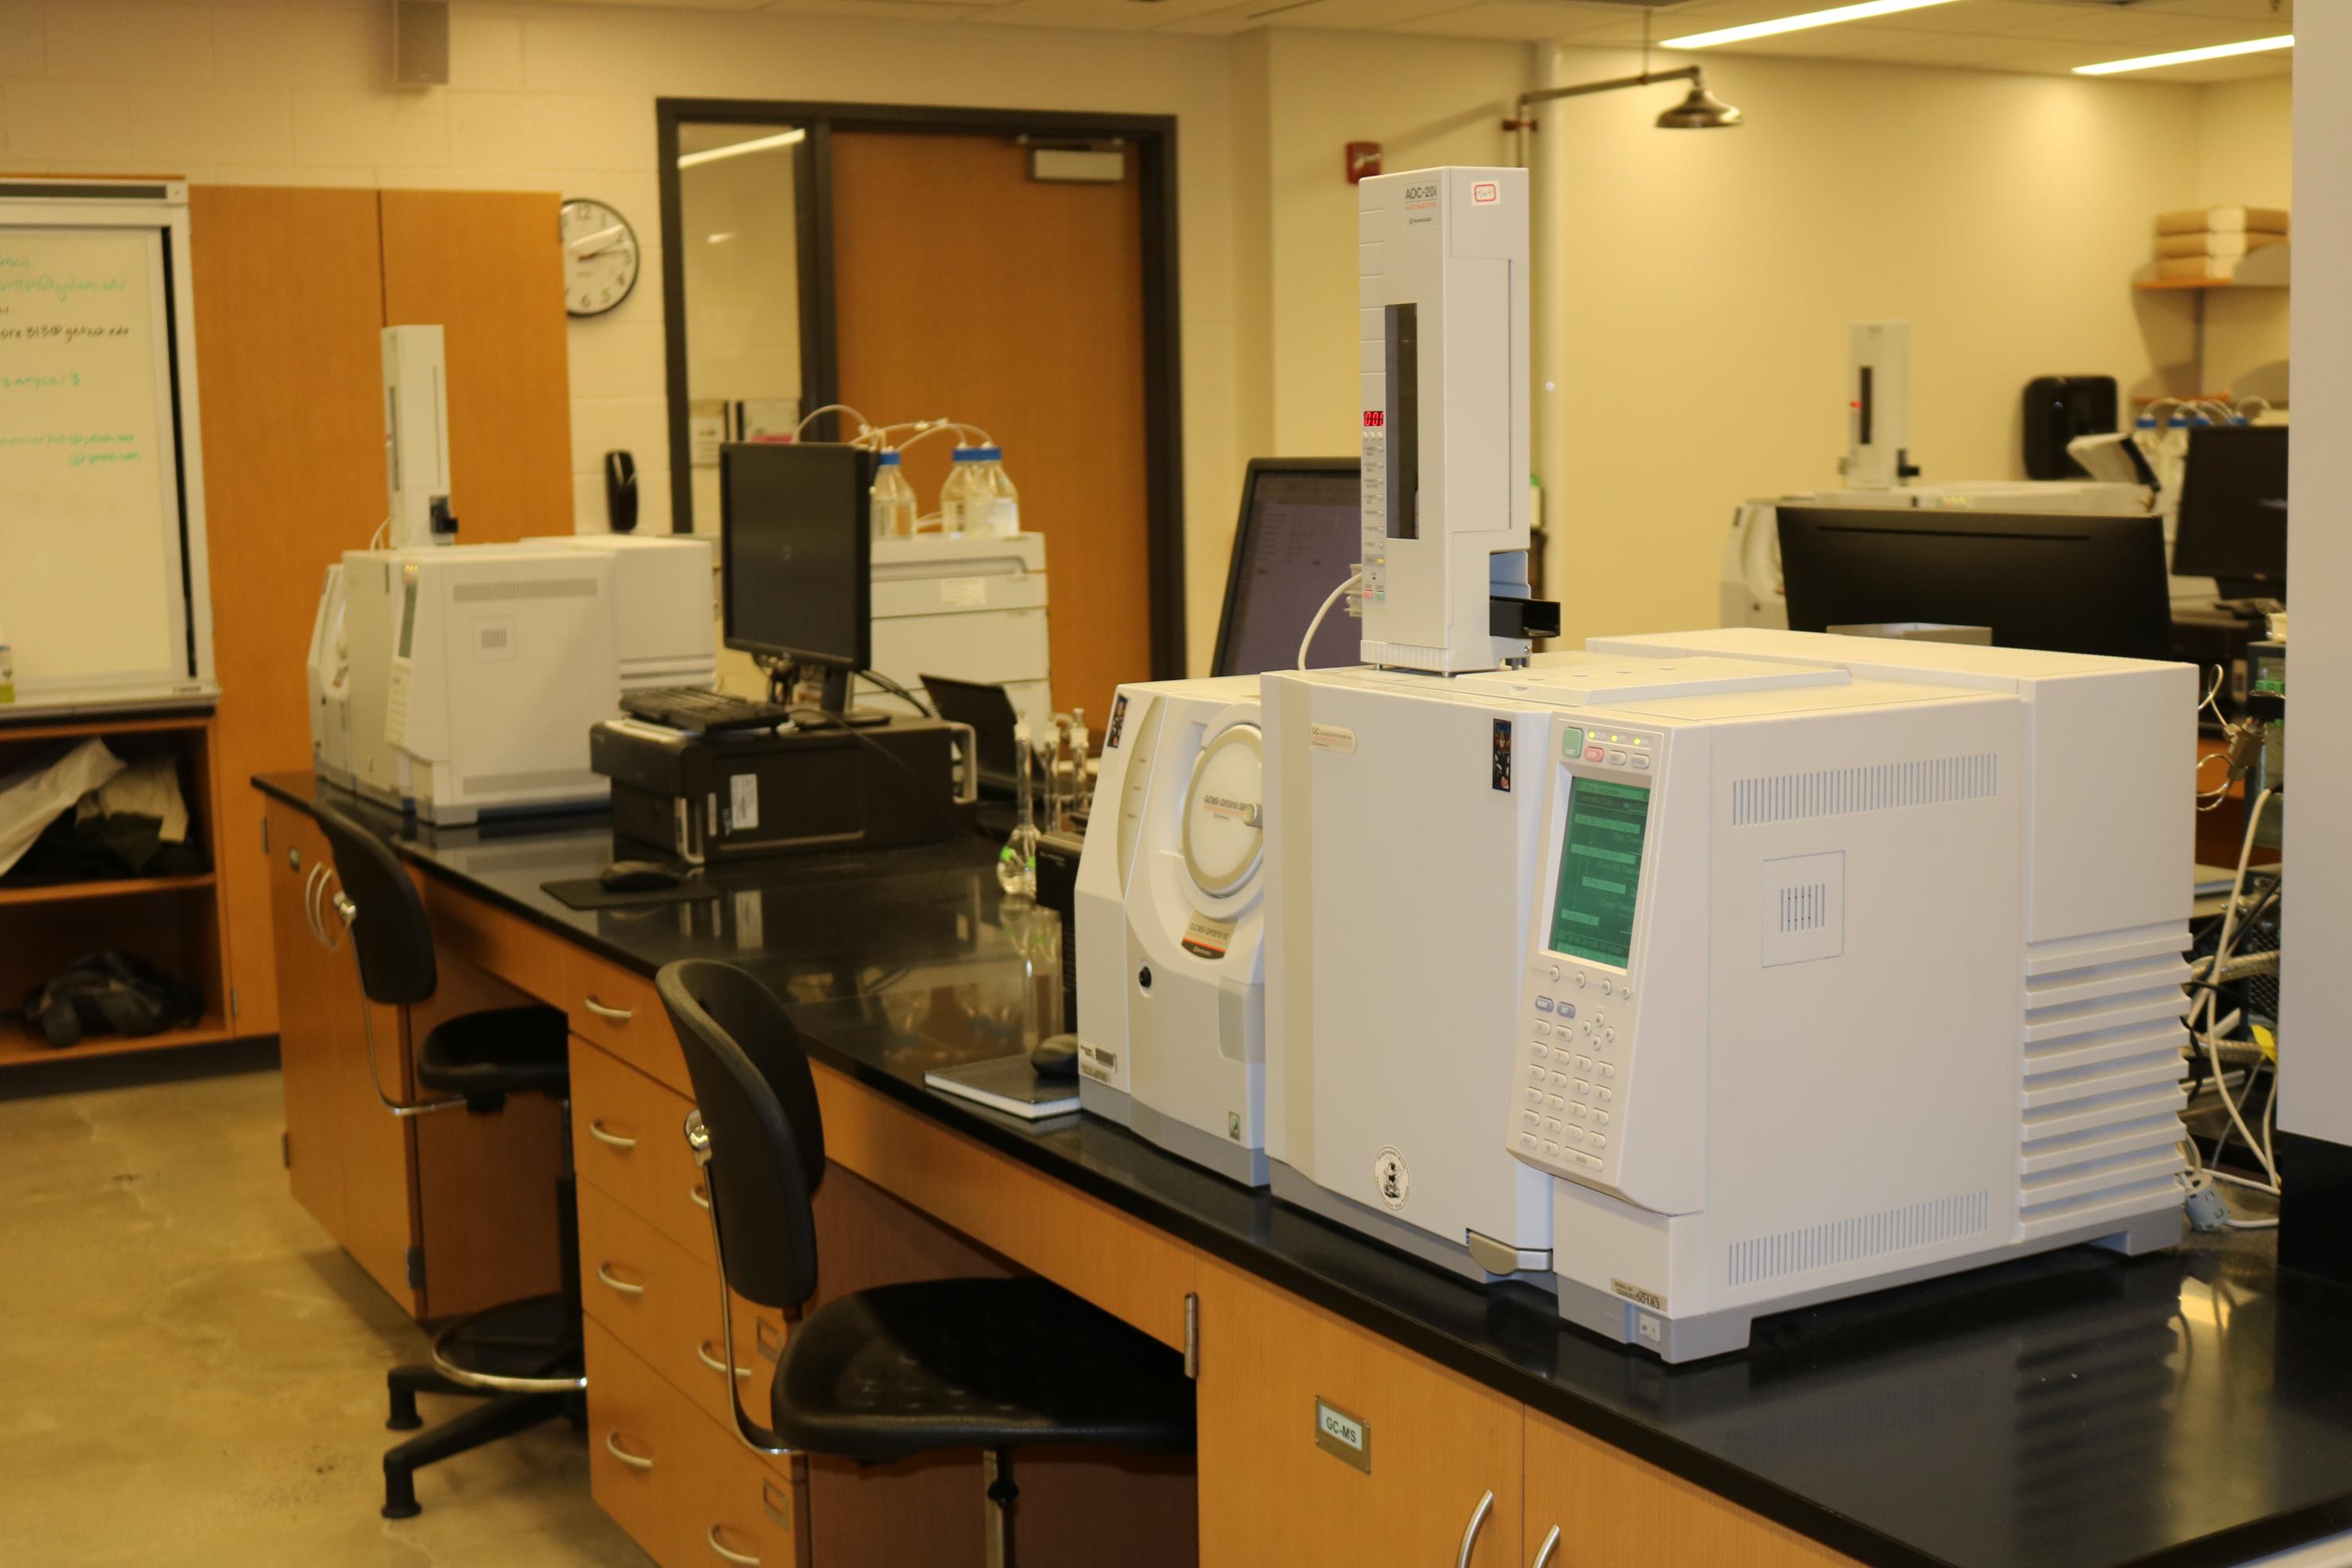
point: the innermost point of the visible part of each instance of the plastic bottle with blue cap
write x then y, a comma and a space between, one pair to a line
892, 499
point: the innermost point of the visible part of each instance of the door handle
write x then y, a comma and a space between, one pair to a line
309, 897
1470, 1531
1543, 1553
746, 1562
604, 1275
697, 1197
635, 1461
613, 1140
702, 1354
617, 1014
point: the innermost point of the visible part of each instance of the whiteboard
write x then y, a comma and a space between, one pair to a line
103, 593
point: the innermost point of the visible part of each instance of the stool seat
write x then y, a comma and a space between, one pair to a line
497, 1052
996, 1365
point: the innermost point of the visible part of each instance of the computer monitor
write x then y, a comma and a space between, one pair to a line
2072, 584
794, 550
1299, 537
2233, 510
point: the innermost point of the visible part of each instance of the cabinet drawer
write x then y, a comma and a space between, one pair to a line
688, 1493
664, 1306
623, 1014
628, 1138
618, 1010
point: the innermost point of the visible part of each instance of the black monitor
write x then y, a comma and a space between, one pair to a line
2069, 583
2233, 510
795, 552
1299, 537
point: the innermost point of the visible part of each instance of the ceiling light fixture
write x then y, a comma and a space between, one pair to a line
737, 148
2189, 57
1798, 24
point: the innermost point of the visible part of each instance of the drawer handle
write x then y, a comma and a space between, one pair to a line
635, 1461
700, 1199
1470, 1533
731, 1556
617, 1014
611, 1139
1543, 1554
604, 1274
702, 1354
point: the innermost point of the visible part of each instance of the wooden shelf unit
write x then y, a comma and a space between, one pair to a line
177, 923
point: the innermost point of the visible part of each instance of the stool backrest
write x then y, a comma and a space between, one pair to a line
758, 1110
390, 934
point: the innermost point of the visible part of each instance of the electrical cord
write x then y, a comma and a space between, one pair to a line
2207, 1003
900, 692
1316, 624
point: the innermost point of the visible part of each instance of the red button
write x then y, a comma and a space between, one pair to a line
1593, 753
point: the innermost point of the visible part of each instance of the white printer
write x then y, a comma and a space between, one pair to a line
1170, 924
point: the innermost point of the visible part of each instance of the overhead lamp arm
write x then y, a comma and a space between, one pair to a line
1524, 118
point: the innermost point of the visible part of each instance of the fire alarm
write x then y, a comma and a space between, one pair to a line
1363, 160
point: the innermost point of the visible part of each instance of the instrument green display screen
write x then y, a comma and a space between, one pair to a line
1599, 870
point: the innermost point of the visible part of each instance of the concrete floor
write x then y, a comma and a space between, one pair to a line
192, 1373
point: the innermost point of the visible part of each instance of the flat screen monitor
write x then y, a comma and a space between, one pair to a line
2072, 583
1299, 537
2233, 505
794, 550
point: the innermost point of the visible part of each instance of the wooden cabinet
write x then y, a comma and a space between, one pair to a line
1413, 1461
450, 1211
1611, 1508
293, 288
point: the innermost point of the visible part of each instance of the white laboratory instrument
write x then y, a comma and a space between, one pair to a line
967, 605
1443, 339
1852, 962
1389, 999
416, 437
451, 681
1170, 918
1878, 423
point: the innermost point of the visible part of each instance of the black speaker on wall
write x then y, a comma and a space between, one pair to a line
2057, 409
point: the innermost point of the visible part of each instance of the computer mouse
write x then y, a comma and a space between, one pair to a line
637, 877
1056, 1056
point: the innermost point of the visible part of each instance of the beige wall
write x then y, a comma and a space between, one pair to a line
1705, 297
1708, 289
2244, 158
561, 98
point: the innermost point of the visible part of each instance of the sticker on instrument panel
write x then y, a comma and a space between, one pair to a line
1502, 771
1391, 1177
964, 593
1638, 1296
1118, 723
1206, 938
1331, 738
742, 803
1099, 1063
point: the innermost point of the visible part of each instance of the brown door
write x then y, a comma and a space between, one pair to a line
964, 289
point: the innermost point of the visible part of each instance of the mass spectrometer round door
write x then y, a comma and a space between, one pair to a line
1225, 812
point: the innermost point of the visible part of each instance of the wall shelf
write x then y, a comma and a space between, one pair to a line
109, 888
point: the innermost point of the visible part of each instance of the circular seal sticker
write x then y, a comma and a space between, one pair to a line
1391, 1177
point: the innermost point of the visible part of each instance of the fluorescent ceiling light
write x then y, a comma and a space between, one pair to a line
1835, 13
737, 148
2189, 57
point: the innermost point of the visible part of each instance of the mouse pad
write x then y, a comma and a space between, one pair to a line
588, 894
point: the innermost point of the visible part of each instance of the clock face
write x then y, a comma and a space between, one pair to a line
599, 257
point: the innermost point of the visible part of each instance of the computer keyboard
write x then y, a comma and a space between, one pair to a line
703, 712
